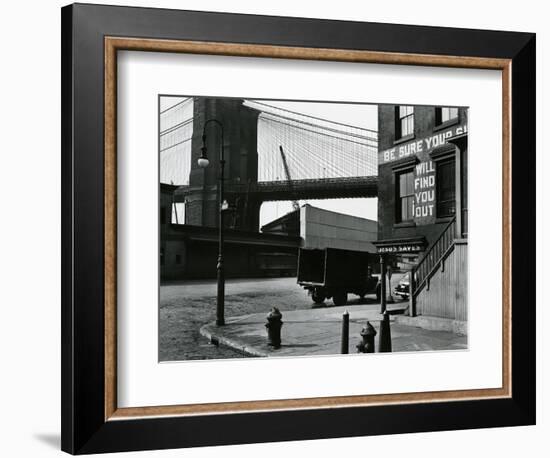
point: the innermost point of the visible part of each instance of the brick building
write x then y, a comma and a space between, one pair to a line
423, 202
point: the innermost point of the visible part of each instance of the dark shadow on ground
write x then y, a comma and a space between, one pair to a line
351, 301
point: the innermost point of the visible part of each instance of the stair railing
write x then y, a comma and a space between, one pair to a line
431, 260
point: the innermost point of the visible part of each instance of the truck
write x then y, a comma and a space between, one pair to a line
334, 273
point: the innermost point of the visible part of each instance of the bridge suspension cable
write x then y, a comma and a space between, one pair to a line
316, 148
175, 133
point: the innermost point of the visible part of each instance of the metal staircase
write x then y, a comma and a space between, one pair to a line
433, 259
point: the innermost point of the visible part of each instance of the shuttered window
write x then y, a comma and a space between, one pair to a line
405, 192
446, 188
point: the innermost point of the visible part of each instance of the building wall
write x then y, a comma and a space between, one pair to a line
173, 259
447, 295
191, 252
326, 229
413, 152
172, 252
198, 259
288, 224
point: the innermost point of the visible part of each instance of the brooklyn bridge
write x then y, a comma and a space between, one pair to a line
271, 153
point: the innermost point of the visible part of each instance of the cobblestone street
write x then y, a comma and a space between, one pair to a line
186, 306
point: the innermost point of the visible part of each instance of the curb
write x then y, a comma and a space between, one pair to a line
434, 324
209, 331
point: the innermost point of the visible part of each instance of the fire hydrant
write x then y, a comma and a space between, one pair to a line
274, 325
366, 345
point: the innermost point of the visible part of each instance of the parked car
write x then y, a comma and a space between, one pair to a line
402, 288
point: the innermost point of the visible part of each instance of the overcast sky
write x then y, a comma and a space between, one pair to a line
359, 115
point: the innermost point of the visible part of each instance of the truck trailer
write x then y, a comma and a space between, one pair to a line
334, 273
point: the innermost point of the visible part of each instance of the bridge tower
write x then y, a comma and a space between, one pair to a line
241, 167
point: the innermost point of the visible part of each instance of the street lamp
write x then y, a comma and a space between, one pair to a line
383, 283
203, 162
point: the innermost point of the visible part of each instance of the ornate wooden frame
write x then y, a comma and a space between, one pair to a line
91, 420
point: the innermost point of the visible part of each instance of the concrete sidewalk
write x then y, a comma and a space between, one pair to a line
318, 332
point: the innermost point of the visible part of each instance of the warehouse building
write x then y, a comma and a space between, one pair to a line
190, 252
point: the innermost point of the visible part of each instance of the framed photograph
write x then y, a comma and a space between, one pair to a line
284, 228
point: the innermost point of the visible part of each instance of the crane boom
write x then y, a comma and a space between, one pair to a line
295, 204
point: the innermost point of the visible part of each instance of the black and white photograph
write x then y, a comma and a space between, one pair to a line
309, 228
254, 230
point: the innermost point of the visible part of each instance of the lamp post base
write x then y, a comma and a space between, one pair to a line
220, 305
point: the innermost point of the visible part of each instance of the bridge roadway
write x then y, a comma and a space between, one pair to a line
317, 188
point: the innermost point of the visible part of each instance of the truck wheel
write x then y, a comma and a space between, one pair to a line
318, 296
340, 298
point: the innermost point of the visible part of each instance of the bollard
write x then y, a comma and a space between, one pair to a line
384, 342
345, 333
412, 302
382, 283
366, 345
390, 299
274, 325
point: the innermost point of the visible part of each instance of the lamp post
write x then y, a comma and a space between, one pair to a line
389, 271
383, 283
203, 162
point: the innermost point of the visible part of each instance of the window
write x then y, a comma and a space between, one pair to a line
178, 213
445, 114
178, 259
404, 121
405, 193
446, 198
